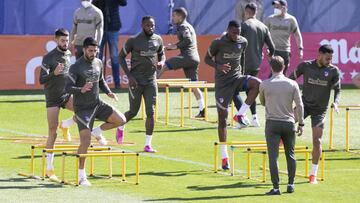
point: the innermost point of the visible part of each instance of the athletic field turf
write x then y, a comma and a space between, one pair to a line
182, 170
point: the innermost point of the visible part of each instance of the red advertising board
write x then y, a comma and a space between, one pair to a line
21, 57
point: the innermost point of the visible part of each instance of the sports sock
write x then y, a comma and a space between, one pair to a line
224, 152
254, 116
67, 123
97, 132
201, 104
314, 169
122, 127
148, 139
244, 107
50, 161
82, 173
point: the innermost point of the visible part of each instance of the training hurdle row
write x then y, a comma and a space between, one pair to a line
108, 154
185, 85
57, 148
70, 150
263, 150
260, 147
331, 131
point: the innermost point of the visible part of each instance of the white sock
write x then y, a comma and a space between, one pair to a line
224, 152
122, 127
67, 123
201, 104
50, 161
82, 173
254, 116
96, 132
314, 169
148, 140
244, 107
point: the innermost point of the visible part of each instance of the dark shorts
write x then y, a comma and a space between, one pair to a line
188, 64
86, 117
59, 102
252, 72
224, 93
149, 93
317, 116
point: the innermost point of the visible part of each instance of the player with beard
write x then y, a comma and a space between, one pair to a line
147, 54
54, 70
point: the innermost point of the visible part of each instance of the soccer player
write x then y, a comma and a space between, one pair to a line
85, 80
53, 75
189, 58
281, 26
320, 76
257, 34
147, 53
225, 55
278, 94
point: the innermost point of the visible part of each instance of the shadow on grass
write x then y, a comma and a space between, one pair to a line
13, 183
204, 198
151, 173
35, 156
23, 101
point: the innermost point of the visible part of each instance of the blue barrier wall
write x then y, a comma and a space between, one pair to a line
22, 17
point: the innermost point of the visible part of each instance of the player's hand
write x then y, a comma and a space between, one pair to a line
113, 96
335, 106
87, 87
225, 68
301, 54
132, 83
59, 69
300, 130
171, 46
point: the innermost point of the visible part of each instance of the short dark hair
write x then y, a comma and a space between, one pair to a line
181, 11
233, 23
61, 32
89, 41
326, 48
147, 17
277, 64
252, 7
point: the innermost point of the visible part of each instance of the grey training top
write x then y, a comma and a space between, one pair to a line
54, 85
281, 29
318, 82
87, 22
278, 94
226, 51
187, 40
256, 34
81, 72
145, 53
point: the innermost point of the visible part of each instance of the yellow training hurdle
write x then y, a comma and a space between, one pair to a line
57, 148
94, 154
331, 131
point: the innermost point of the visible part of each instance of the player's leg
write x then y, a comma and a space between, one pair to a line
113, 39
135, 102
150, 93
255, 121
252, 85
191, 71
223, 96
272, 134
65, 124
288, 137
112, 119
85, 139
317, 123
52, 118
102, 47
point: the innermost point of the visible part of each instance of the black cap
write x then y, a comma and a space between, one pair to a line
282, 2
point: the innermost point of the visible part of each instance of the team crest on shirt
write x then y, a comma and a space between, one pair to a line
87, 118
221, 100
239, 46
326, 73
